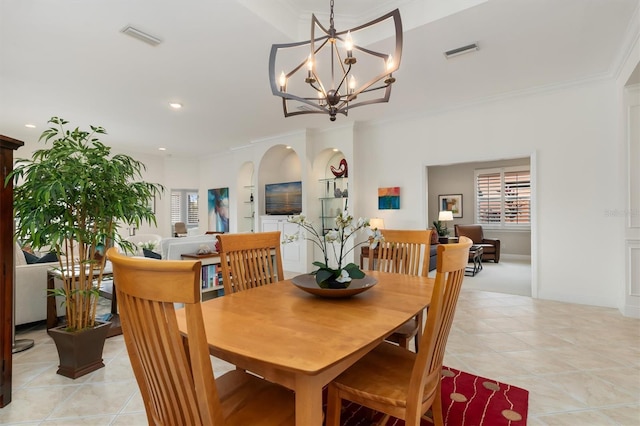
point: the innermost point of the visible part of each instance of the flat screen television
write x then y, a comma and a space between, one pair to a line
283, 198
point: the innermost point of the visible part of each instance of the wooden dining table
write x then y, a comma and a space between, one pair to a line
302, 341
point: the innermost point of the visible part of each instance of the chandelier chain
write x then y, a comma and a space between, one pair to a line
331, 15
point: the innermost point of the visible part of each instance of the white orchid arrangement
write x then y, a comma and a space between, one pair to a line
341, 276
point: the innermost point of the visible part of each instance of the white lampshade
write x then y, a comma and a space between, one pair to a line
445, 215
376, 223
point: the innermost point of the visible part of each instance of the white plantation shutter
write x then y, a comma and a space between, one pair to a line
176, 199
488, 198
517, 197
503, 197
192, 208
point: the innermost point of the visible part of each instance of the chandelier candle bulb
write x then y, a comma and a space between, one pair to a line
390, 79
348, 43
283, 81
352, 84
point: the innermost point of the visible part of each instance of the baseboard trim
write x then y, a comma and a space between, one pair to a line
631, 311
521, 257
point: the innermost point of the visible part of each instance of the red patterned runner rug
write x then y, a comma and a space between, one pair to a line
467, 400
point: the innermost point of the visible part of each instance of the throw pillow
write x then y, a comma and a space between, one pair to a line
151, 254
48, 258
30, 257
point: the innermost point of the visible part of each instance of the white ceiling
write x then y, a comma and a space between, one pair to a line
68, 58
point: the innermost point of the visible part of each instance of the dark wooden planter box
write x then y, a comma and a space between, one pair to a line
80, 352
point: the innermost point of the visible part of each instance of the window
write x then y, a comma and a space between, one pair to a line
184, 207
176, 201
503, 197
192, 208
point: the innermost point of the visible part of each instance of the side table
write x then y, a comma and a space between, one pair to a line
475, 256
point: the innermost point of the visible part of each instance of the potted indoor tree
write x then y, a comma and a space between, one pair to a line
71, 198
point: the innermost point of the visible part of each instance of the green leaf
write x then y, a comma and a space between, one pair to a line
354, 271
323, 275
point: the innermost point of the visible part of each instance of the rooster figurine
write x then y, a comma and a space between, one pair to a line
342, 170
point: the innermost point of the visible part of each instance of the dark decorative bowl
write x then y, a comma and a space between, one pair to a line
307, 282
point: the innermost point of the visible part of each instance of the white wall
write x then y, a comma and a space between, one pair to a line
570, 134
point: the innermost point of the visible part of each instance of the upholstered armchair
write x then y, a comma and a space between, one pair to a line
490, 248
180, 230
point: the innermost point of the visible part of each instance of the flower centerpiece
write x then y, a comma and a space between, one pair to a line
335, 241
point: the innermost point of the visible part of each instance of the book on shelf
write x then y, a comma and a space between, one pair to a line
203, 278
211, 276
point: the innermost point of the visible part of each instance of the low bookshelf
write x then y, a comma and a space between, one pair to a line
210, 275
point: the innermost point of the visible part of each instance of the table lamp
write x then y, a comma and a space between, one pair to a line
376, 223
445, 216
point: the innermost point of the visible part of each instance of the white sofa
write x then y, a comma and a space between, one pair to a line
144, 238
31, 289
173, 248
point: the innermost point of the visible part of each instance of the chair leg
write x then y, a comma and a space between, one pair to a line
436, 408
383, 421
420, 318
334, 407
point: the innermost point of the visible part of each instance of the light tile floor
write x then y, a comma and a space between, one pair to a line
581, 365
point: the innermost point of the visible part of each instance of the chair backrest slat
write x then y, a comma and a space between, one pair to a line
402, 252
250, 260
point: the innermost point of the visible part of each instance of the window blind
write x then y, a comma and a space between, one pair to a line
176, 199
192, 208
503, 197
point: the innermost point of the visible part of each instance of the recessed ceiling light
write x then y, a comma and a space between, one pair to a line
288, 147
162, 149
175, 105
31, 126
335, 149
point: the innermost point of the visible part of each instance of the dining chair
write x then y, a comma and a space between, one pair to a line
250, 260
174, 374
402, 383
404, 252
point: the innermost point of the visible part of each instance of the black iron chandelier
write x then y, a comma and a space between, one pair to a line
324, 80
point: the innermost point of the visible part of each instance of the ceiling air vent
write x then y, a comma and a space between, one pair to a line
461, 50
140, 35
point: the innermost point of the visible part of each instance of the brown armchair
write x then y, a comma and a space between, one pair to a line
180, 229
490, 248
